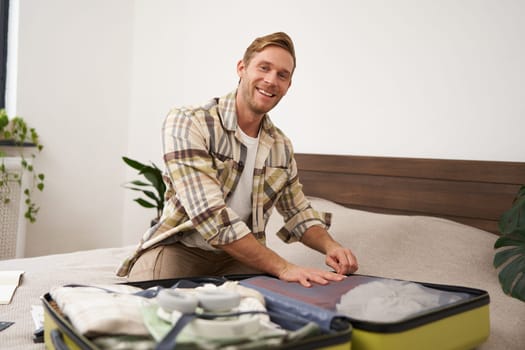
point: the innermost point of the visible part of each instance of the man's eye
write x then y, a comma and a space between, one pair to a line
264, 68
283, 75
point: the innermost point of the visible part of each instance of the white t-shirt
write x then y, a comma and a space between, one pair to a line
241, 199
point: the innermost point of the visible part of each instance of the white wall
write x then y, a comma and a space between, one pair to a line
440, 79
408, 78
74, 77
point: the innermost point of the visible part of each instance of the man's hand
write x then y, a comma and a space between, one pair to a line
252, 253
305, 275
341, 260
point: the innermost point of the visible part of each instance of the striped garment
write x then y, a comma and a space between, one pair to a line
204, 159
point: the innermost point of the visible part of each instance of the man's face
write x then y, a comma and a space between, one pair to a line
266, 79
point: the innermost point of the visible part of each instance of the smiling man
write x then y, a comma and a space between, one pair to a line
227, 168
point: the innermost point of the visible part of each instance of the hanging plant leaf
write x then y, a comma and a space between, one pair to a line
4, 120
15, 132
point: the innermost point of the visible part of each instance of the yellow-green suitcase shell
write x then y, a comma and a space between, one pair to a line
463, 325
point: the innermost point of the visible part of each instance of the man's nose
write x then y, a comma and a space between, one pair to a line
270, 78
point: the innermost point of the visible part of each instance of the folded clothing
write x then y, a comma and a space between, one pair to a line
392, 300
103, 309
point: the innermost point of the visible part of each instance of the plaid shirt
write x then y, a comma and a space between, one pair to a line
204, 159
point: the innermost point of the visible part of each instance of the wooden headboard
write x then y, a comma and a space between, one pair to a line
475, 193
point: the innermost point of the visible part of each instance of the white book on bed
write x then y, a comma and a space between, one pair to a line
9, 281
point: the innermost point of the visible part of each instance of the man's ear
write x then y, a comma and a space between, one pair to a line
240, 68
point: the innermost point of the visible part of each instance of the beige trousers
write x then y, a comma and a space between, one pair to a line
176, 260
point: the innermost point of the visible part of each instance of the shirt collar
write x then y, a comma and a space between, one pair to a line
228, 114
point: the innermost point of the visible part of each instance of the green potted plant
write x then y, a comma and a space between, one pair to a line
512, 258
152, 180
16, 134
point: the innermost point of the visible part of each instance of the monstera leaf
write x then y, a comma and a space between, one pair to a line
512, 257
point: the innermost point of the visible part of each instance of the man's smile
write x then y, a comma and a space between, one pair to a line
265, 93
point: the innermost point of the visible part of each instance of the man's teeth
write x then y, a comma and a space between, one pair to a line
266, 93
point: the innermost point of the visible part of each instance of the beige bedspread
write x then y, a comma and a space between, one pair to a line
406, 247
423, 249
41, 274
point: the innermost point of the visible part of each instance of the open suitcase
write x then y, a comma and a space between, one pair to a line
59, 333
463, 324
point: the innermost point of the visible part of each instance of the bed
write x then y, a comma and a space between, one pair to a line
425, 220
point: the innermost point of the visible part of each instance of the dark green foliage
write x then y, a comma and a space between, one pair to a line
512, 258
153, 181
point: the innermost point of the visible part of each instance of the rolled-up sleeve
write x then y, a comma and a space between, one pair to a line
297, 211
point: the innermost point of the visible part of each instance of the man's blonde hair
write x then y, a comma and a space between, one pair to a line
280, 39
